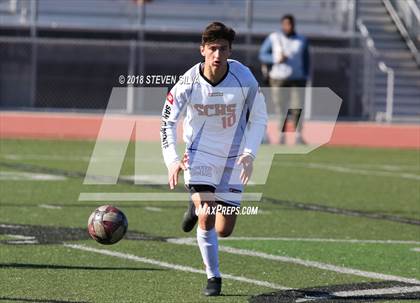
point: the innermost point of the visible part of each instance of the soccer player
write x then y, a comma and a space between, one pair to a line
224, 124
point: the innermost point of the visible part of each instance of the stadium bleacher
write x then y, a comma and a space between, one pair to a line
329, 24
316, 17
394, 52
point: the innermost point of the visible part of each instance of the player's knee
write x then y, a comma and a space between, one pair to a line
206, 221
224, 233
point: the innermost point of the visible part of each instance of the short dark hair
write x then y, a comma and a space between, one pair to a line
289, 17
217, 30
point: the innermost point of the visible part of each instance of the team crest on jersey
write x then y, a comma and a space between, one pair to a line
215, 94
226, 111
170, 98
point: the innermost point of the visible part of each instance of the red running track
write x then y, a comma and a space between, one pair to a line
87, 126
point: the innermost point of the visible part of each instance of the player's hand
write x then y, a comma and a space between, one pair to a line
282, 59
247, 166
173, 173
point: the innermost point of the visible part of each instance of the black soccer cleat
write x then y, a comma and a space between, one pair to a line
190, 218
214, 287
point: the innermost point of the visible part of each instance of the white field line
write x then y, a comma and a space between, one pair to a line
378, 166
43, 157
148, 159
351, 167
383, 170
28, 176
152, 179
146, 179
254, 197
191, 239
387, 167
365, 292
320, 240
48, 206
170, 265
23, 242
306, 263
263, 212
348, 170
155, 209
20, 239
10, 226
365, 166
380, 291
320, 265
416, 249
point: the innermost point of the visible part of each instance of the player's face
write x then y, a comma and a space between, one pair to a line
216, 53
287, 27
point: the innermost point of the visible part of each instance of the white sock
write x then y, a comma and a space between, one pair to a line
209, 248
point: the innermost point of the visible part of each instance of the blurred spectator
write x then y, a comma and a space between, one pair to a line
285, 58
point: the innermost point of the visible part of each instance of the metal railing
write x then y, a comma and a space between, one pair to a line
409, 13
410, 8
370, 83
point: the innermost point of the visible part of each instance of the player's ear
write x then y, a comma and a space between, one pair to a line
202, 50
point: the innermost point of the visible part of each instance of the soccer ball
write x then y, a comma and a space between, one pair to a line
107, 224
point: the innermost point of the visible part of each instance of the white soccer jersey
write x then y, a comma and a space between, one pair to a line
223, 120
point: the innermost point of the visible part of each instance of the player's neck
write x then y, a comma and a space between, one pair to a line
214, 74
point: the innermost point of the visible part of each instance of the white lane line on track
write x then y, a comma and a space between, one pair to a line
364, 293
171, 265
306, 263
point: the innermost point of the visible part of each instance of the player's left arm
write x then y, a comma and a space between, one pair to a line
255, 130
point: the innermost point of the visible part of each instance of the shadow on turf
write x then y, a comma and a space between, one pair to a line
52, 266
39, 300
326, 294
58, 235
286, 203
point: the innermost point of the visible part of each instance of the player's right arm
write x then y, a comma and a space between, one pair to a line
265, 54
174, 104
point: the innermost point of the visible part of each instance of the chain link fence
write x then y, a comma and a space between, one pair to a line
79, 74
